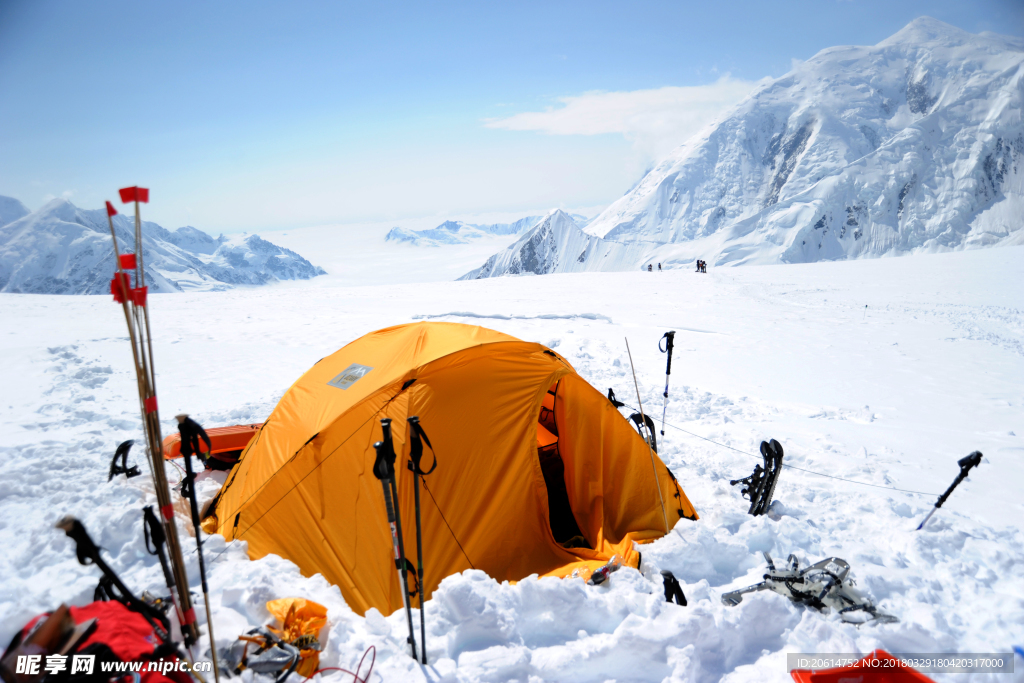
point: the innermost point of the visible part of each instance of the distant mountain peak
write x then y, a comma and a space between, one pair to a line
913, 144
62, 249
458, 232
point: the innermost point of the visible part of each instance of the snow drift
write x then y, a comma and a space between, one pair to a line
914, 144
62, 249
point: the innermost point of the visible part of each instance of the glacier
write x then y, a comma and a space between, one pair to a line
62, 249
911, 145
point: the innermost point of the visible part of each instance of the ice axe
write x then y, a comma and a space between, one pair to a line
669, 340
966, 463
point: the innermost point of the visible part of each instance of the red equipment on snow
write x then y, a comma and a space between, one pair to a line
108, 631
877, 667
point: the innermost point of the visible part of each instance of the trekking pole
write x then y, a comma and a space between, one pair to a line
132, 300
669, 344
190, 432
966, 463
88, 553
657, 482
384, 469
416, 437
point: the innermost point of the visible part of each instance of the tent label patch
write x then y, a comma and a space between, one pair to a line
349, 376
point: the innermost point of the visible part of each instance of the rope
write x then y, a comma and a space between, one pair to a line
794, 467
354, 674
447, 524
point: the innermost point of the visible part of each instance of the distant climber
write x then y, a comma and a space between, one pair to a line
650, 268
659, 267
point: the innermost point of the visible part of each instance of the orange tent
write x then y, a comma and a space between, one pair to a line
527, 450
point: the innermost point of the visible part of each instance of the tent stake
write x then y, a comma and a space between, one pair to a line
643, 417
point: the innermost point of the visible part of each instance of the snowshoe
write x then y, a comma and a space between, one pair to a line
642, 421
823, 585
759, 487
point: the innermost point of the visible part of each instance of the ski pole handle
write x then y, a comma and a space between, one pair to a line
384, 465
966, 464
669, 340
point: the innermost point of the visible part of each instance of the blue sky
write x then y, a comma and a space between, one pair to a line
255, 115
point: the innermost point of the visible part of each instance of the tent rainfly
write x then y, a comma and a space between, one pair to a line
537, 472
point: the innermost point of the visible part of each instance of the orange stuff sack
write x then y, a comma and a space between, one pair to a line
301, 621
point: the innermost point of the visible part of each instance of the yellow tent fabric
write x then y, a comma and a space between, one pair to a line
304, 487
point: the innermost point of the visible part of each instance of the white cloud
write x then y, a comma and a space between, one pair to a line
655, 121
66, 194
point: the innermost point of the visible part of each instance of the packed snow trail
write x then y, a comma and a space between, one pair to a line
891, 397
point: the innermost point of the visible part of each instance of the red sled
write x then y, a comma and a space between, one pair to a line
877, 667
227, 445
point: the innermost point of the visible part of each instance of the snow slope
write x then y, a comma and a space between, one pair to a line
555, 244
61, 249
914, 144
881, 371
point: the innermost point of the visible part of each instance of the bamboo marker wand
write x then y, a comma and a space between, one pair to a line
654, 467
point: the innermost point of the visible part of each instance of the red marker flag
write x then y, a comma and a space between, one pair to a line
139, 296
128, 261
111, 211
119, 287
134, 194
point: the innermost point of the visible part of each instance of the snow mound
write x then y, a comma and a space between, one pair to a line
62, 249
912, 145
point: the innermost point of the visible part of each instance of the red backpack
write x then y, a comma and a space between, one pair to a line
64, 643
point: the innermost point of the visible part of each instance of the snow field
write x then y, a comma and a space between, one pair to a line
892, 396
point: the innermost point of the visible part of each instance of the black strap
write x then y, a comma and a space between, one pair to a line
417, 436
611, 397
153, 532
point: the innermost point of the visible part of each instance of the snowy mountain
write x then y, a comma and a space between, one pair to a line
457, 232
556, 244
914, 144
61, 249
